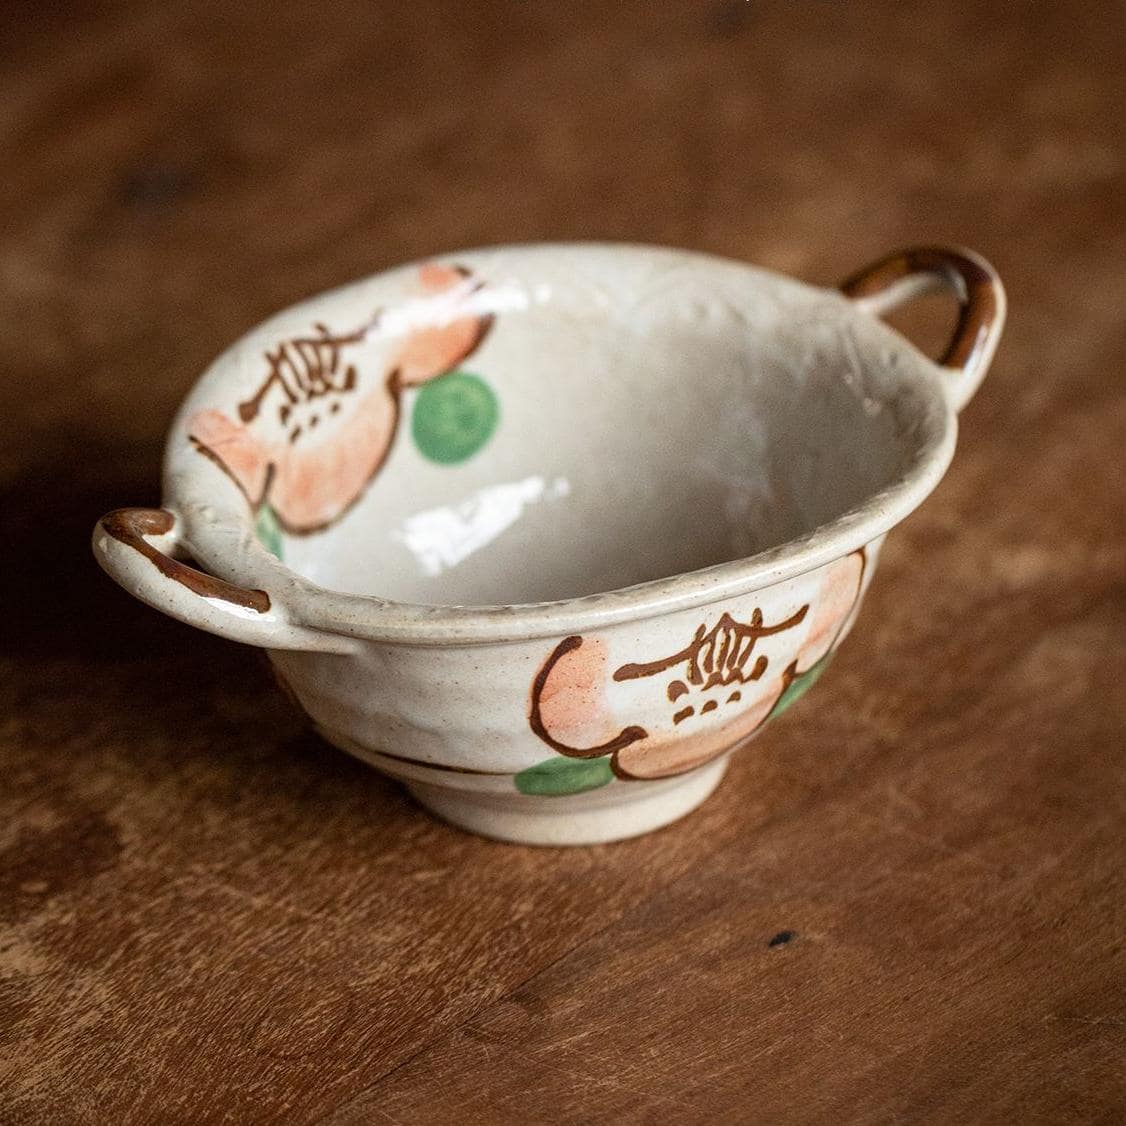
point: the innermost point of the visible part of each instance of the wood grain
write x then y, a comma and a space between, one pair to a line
208, 915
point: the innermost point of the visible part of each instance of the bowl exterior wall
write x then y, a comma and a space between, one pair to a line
546, 730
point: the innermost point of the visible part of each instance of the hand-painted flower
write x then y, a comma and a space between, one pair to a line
318, 429
576, 707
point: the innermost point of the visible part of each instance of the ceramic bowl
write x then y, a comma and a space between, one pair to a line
547, 532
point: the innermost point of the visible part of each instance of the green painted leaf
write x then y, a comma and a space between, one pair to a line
563, 775
454, 416
799, 686
268, 530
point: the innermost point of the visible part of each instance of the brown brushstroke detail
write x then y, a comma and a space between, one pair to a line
789, 675
306, 367
485, 322
709, 706
736, 641
440, 766
735, 697
535, 718
676, 689
215, 459
721, 740
684, 714
973, 284
130, 526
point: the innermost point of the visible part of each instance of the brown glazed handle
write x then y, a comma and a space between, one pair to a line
899, 277
130, 526
123, 544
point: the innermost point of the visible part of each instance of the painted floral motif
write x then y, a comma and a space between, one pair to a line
718, 690
557, 776
453, 417
316, 431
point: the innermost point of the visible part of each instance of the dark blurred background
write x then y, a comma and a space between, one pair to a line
175, 171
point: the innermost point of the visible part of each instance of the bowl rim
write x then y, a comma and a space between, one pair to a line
219, 534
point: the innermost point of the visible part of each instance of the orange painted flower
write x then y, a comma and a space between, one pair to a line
318, 428
719, 673
829, 613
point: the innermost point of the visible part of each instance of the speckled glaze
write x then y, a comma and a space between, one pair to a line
547, 532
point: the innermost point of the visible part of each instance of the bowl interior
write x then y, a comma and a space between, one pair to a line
619, 415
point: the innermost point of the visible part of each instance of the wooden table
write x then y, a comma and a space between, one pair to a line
208, 915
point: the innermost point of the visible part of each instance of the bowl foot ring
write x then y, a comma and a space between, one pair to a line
577, 819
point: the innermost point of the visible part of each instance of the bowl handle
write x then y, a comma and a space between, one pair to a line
896, 279
133, 546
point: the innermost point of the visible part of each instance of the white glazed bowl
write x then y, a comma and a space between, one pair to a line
556, 527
